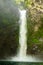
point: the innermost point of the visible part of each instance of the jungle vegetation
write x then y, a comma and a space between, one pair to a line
34, 10
9, 26
9, 29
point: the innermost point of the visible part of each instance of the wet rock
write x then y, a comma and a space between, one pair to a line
34, 32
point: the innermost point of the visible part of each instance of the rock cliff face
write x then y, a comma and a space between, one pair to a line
9, 28
35, 28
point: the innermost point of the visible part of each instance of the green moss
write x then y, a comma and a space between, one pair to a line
33, 38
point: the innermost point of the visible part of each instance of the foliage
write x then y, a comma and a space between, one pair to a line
9, 29
35, 29
23, 3
30, 3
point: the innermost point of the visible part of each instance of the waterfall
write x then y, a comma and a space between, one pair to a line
21, 56
23, 32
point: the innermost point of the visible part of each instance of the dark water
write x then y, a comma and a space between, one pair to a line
20, 63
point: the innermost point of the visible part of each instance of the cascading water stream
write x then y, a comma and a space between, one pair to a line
23, 32
21, 56
22, 37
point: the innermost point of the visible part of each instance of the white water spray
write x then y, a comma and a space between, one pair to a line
23, 32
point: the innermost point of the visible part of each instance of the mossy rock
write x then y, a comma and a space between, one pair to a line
34, 37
